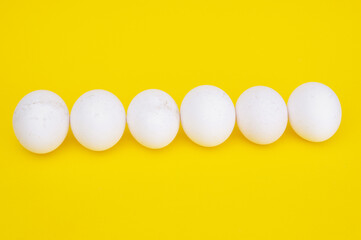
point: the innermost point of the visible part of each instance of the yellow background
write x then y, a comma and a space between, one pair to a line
292, 189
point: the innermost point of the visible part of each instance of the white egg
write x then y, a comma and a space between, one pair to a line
41, 121
97, 120
207, 115
261, 114
153, 118
314, 111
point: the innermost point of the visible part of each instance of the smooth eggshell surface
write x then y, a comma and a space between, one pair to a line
261, 114
97, 120
41, 121
153, 118
314, 111
207, 115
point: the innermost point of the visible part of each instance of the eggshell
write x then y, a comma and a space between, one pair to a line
261, 114
207, 115
97, 120
314, 111
153, 118
41, 121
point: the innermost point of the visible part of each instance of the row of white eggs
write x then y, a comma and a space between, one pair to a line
97, 119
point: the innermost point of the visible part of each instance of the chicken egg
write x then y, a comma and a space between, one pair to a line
207, 115
153, 118
314, 111
41, 121
97, 120
261, 114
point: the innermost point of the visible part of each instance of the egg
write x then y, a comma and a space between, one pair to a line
153, 118
97, 120
207, 115
41, 121
314, 111
261, 115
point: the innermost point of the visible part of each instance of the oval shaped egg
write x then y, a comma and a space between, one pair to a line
207, 115
153, 118
41, 121
261, 115
314, 111
97, 120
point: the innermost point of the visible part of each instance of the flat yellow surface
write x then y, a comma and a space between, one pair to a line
292, 189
